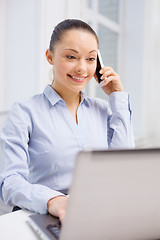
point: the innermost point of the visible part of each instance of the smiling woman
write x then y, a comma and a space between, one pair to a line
43, 135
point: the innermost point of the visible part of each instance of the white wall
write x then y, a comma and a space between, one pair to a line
19, 55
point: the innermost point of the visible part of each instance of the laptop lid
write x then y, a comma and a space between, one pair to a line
114, 195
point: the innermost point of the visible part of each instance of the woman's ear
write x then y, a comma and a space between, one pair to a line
49, 57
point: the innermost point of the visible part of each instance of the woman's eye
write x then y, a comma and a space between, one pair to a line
91, 59
70, 57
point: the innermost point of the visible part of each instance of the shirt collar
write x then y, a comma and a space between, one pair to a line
54, 97
84, 98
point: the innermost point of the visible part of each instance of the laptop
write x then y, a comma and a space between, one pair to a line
115, 195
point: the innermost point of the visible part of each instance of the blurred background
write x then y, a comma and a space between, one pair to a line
129, 35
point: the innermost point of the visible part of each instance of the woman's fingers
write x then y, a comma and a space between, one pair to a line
111, 80
107, 71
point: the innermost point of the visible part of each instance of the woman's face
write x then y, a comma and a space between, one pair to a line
74, 60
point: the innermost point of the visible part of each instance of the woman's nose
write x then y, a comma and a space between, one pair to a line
81, 67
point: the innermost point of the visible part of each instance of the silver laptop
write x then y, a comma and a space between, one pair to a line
115, 195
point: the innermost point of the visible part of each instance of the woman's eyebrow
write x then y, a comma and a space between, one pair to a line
93, 51
71, 50
77, 51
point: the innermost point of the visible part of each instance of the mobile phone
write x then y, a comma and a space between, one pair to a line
99, 66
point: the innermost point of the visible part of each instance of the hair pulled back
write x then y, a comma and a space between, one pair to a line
66, 25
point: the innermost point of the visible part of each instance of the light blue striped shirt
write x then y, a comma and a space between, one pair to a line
40, 141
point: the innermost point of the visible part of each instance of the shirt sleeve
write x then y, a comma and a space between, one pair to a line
120, 131
15, 190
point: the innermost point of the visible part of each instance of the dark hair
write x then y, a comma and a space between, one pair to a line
66, 25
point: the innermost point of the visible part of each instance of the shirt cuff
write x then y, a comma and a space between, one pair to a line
119, 101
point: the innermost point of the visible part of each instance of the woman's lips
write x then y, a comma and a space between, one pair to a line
77, 78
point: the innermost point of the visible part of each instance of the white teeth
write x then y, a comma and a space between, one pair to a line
77, 78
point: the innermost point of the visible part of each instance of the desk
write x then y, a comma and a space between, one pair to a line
14, 226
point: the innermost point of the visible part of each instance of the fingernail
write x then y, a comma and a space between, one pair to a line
100, 71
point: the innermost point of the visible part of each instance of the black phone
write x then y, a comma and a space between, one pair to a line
99, 66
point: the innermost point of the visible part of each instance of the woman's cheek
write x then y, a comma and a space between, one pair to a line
93, 69
66, 66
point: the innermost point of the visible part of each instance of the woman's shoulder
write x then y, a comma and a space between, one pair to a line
25, 113
33, 103
30, 103
29, 109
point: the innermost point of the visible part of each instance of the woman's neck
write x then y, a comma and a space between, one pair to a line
71, 98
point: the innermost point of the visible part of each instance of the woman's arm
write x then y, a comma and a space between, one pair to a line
15, 160
120, 132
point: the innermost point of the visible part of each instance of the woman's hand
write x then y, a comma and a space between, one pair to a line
111, 81
57, 207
